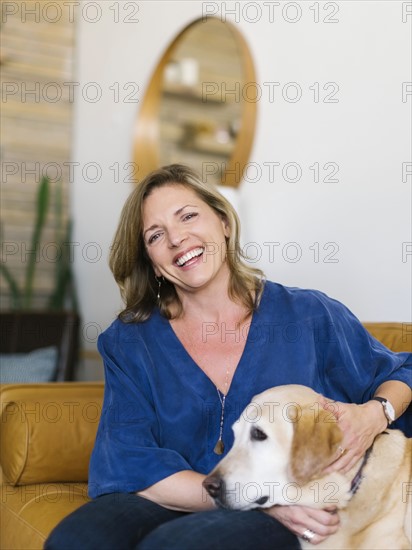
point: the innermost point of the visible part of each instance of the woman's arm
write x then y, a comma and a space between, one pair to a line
182, 492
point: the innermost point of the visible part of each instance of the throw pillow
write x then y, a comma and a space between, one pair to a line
36, 366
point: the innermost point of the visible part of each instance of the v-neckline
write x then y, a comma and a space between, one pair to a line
189, 359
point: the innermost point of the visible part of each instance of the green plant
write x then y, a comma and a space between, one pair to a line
64, 293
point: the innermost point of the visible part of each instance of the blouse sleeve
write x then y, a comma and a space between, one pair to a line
354, 364
126, 455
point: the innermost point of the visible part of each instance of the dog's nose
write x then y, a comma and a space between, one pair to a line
214, 485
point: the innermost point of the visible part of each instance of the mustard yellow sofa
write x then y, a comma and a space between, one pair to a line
47, 433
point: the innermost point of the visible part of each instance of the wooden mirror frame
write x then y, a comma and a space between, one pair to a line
146, 130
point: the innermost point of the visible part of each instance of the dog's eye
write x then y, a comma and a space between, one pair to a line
257, 435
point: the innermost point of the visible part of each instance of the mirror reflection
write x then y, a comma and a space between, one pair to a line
200, 110
195, 107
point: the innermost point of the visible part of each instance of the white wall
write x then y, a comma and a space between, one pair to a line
366, 214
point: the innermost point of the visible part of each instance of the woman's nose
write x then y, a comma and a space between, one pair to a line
176, 237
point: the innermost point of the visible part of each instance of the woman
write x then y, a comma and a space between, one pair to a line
202, 333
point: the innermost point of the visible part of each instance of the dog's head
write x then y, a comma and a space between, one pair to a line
283, 440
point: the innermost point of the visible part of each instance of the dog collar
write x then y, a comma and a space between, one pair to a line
357, 480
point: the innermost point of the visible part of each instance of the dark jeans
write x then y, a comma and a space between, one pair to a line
126, 521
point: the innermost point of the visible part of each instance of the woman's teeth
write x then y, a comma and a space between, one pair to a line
188, 256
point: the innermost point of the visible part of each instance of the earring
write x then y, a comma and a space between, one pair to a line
159, 283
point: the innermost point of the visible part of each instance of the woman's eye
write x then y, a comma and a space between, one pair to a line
189, 216
153, 238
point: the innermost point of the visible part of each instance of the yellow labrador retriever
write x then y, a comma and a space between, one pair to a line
284, 440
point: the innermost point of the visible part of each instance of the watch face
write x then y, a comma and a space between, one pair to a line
389, 411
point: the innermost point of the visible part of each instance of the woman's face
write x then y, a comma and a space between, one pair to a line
184, 237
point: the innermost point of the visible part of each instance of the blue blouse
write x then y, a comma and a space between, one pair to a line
161, 413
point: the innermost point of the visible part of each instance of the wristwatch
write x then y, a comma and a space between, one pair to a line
388, 409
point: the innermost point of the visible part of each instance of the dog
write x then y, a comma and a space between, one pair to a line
285, 439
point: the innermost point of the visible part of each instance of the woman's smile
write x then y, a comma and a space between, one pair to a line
187, 259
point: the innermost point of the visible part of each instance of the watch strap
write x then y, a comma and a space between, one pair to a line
380, 399
383, 401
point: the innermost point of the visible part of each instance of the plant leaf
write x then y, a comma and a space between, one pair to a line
64, 283
41, 214
14, 289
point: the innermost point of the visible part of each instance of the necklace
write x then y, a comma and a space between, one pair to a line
220, 446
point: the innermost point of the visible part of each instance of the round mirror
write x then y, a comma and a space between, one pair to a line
200, 105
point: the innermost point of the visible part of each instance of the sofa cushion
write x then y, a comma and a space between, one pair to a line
30, 512
36, 366
48, 436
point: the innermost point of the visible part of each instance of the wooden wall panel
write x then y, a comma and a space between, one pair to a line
37, 58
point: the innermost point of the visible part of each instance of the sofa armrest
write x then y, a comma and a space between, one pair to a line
47, 431
395, 336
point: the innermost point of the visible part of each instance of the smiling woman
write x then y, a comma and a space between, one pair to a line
202, 333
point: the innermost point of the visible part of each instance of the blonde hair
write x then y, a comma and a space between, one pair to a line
132, 268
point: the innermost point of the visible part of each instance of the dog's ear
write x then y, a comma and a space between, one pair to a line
315, 441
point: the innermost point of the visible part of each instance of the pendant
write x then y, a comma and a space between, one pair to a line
219, 447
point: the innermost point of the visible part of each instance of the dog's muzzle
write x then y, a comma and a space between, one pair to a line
215, 486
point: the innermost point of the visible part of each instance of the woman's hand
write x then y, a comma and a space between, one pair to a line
360, 425
298, 519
